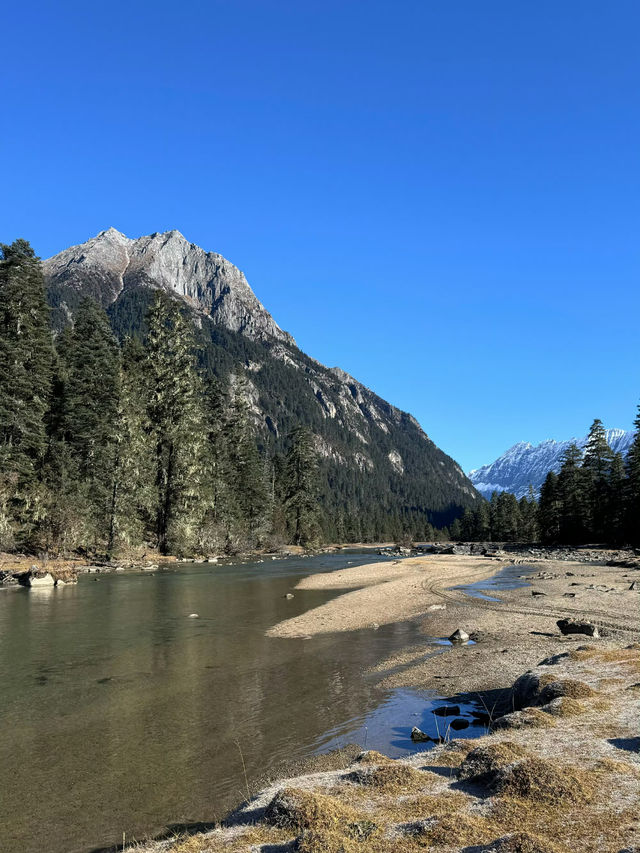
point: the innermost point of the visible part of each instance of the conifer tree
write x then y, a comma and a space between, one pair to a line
246, 469
573, 494
301, 493
26, 355
598, 459
615, 502
549, 509
91, 412
632, 496
176, 422
132, 495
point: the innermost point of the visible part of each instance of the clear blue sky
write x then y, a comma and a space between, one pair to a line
442, 198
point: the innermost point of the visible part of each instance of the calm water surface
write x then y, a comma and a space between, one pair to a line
121, 714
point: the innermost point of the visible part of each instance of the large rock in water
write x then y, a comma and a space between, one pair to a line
36, 577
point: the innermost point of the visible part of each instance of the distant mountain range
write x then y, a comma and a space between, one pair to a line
378, 463
526, 464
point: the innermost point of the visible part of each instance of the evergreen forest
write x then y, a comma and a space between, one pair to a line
133, 428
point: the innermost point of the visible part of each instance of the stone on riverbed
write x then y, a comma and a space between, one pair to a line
418, 736
577, 626
459, 636
36, 577
447, 711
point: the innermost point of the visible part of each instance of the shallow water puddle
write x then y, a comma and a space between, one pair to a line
507, 578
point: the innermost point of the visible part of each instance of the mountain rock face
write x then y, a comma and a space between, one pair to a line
376, 460
525, 464
110, 264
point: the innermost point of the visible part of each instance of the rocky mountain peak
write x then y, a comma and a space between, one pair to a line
111, 263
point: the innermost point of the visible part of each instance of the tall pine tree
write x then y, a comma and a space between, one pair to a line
26, 356
176, 423
301, 491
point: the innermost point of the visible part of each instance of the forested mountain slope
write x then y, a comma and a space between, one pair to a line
381, 474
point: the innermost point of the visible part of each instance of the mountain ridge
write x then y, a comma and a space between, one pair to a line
525, 463
377, 458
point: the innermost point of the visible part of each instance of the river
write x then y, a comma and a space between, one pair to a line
121, 714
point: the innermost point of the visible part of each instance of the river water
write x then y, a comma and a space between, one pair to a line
121, 714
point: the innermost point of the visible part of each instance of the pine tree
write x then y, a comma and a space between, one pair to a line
301, 494
529, 530
92, 401
26, 355
177, 425
549, 509
615, 503
632, 496
246, 468
598, 459
131, 516
573, 493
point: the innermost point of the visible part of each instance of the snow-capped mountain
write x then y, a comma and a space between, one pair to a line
525, 464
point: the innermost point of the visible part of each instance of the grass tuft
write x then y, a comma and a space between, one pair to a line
295, 809
390, 778
483, 762
543, 781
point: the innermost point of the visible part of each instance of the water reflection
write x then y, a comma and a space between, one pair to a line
123, 714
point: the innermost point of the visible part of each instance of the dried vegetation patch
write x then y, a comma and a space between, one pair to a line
295, 809
482, 763
393, 777
544, 781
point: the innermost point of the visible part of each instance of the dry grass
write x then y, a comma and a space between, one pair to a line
373, 758
612, 765
453, 753
524, 842
296, 809
527, 718
484, 761
564, 706
458, 830
390, 778
599, 830
251, 838
629, 657
544, 781
570, 687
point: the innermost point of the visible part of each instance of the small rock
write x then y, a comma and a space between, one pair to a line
459, 724
288, 595
459, 636
575, 626
193, 616
536, 592
418, 736
447, 711
437, 607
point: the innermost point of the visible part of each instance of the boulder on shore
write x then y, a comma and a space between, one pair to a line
577, 626
37, 577
459, 636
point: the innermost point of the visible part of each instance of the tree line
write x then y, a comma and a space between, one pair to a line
106, 447
595, 497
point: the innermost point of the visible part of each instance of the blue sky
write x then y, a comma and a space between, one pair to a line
441, 198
